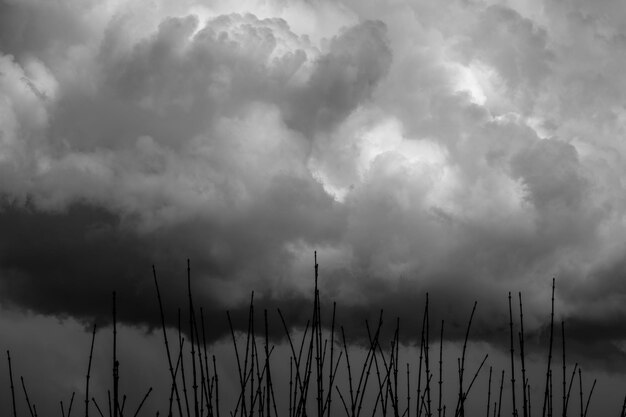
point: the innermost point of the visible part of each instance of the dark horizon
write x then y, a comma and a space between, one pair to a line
496, 351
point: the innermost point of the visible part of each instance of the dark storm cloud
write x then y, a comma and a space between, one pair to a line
187, 94
465, 151
68, 262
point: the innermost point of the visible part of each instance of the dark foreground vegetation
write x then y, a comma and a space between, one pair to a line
376, 383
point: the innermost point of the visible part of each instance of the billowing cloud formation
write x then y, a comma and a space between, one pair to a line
466, 150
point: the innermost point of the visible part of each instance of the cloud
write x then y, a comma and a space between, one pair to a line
465, 150
514, 45
342, 78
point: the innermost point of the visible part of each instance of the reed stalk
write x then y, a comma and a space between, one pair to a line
30, 408
208, 392
365, 374
93, 337
394, 350
500, 395
529, 404
440, 369
569, 387
331, 377
350, 385
69, 409
408, 391
145, 397
564, 369
522, 357
461, 401
512, 359
551, 395
12, 387
268, 375
121, 408
418, 410
317, 330
167, 346
115, 362
545, 397
97, 407
589, 398
193, 337
475, 376
426, 361
580, 391
489, 391
182, 367
217, 392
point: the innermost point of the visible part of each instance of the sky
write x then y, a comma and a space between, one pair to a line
462, 149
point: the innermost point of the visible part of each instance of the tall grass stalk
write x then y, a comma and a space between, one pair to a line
193, 337
580, 391
12, 387
460, 407
167, 346
69, 409
440, 369
547, 390
522, 357
115, 362
93, 338
489, 391
500, 395
30, 408
589, 398
564, 408
512, 359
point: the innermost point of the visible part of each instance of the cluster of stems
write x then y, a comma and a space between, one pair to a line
320, 355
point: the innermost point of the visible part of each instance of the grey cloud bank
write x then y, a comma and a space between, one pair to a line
465, 149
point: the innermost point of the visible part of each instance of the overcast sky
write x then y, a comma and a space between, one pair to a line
464, 148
